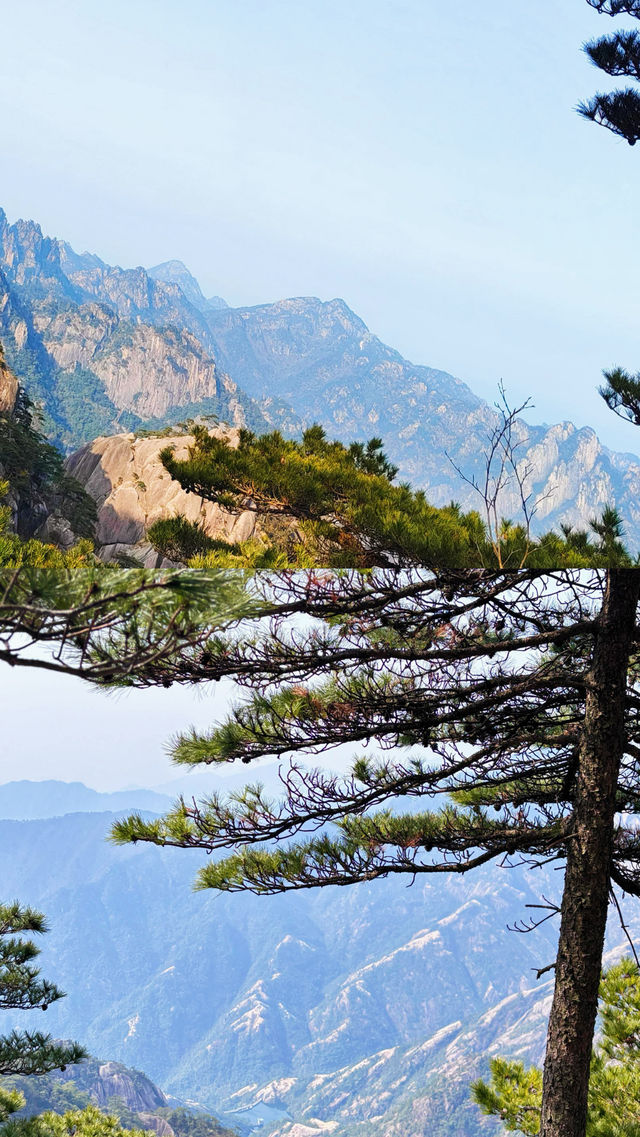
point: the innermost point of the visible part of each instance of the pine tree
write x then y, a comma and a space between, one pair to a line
103, 623
514, 1093
619, 111
32, 471
344, 509
520, 692
617, 55
21, 988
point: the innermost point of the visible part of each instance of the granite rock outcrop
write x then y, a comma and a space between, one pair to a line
131, 488
105, 349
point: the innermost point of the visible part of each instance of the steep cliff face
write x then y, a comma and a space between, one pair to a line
131, 488
8, 388
103, 348
115, 1080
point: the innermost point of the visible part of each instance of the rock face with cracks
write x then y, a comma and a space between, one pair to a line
131, 488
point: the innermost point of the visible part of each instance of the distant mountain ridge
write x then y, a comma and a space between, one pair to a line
322, 360
27, 800
364, 1012
106, 349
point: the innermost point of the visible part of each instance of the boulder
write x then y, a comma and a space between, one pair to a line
132, 489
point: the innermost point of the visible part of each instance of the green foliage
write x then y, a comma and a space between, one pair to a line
348, 512
37, 372
45, 1093
90, 1121
16, 553
88, 410
113, 625
21, 988
26, 455
187, 543
126, 1117
87, 1122
32, 470
514, 1093
180, 539
622, 394
11, 1101
185, 1123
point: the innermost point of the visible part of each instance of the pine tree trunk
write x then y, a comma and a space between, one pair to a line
586, 884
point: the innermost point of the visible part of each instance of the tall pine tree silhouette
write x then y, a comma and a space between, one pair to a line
617, 55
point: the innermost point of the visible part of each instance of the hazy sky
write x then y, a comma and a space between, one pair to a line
55, 726
420, 159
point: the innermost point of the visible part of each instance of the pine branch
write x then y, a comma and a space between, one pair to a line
617, 7
618, 54
619, 112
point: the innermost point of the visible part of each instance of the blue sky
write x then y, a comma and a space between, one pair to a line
420, 159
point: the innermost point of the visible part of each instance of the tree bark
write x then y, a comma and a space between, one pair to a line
587, 877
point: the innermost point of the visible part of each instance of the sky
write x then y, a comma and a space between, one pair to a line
421, 160
58, 726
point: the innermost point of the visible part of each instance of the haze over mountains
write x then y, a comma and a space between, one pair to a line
360, 1012
107, 349
26, 801
363, 1008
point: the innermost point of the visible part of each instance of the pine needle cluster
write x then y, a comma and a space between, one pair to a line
514, 1092
617, 55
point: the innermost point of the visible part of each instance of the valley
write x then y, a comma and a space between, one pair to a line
350, 1011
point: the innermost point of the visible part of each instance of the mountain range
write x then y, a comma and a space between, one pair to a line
361, 1011
104, 349
26, 801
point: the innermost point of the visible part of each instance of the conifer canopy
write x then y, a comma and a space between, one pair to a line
617, 55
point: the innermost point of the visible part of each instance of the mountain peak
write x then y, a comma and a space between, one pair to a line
176, 272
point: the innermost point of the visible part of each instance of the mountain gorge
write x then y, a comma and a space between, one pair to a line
346, 1011
105, 349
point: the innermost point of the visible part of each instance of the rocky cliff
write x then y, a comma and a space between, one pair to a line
119, 1090
113, 1079
131, 488
8, 388
104, 349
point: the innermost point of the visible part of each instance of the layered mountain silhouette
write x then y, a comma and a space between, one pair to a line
355, 1011
105, 349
